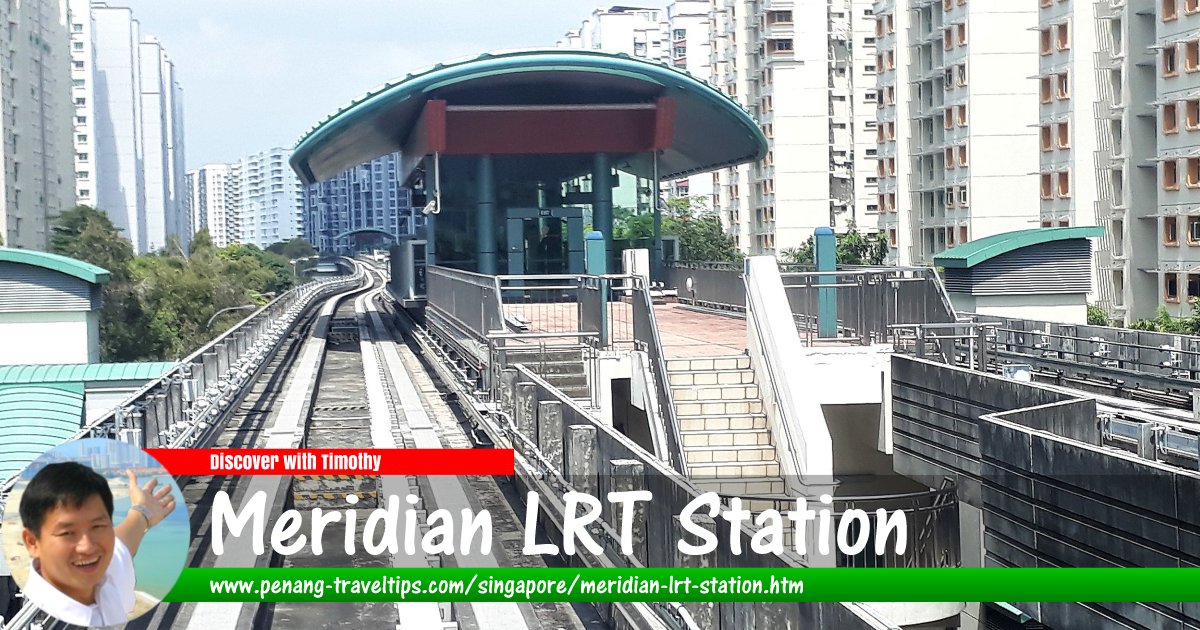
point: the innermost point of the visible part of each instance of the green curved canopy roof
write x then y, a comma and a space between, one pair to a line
988, 247
34, 419
70, 266
711, 129
82, 372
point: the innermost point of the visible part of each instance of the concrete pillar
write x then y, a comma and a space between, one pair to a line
525, 417
628, 475
703, 613
485, 215
550, 432
508, 391
656, 265
602, 205
596, 262
825, 255
581, 458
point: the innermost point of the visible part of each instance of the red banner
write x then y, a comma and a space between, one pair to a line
335, 461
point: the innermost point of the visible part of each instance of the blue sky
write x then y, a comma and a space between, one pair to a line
259, 73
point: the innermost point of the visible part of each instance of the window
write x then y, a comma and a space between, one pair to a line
889, 59
1191, 56
1046, 138
962, 74
1170, 67
892, 237
1064, 223
1047, 185
1193, 115
1193, 235
962, 33
949, 157
1171, 287
1191, 6
1047, 224
1045, 39
1047, 90
1170, 175
1192, 177
962, 115
1064, 87
82, 157
962, 197
1064, 135
781, 45
947, 38
1063, 40
76, 27
962, 155
1171, 230
77, 64
1193, 287
1170, 10
948, 121
76, 45
1170, 118
962, 234
1064, 184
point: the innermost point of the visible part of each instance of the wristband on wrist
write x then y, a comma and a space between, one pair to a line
141, 509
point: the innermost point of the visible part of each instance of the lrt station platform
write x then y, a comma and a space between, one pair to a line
862, 385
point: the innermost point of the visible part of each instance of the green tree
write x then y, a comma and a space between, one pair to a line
1164, 322
1097, 316
853, 248
293, 249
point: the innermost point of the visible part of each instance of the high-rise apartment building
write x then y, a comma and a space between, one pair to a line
805, 71
266, 197
128, 126
679, 36
209, 187
366, 198
958, 123
35, 118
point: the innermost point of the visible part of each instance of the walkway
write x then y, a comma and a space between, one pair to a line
686, 332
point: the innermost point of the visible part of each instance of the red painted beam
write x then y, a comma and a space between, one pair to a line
664, 123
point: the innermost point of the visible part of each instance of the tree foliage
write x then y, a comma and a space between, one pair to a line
853, 248
157, 306
293, 249
701, 236
1097, 316
1164, 322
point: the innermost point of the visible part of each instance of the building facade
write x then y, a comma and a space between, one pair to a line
266, 198
367, 198
959, 153
35, 117
208, 187
806, 72
129, 159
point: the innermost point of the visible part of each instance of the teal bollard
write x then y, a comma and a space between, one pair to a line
825, 255
596, 264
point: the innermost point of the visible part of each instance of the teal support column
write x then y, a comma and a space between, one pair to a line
602, 204
656, 256
485, 216
825, 255
596, 259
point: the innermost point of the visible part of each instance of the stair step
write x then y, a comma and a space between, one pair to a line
745, 437
711, 377
755, 453
566, 380
713, 393
735, 362
749, 486
733, 470
722, 422
727, 408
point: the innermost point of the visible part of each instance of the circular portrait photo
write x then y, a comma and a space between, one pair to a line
95, 533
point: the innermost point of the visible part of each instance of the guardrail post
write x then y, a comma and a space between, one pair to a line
550, 433
1147, 448
703, 613
526, 418
581, 458
627, 475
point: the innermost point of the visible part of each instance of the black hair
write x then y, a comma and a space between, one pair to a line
63, 484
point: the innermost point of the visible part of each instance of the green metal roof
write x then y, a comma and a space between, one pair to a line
979, 250
712, 129
34, 419
70, 266
82, 372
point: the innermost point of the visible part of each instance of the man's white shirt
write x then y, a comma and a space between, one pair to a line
114, 597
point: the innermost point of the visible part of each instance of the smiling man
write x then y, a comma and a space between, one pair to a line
82, 569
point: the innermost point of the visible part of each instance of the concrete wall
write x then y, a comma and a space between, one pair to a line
1047, 493
42, 338
1069, 308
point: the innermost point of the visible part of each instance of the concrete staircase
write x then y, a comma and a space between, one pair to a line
564, 369
729, 448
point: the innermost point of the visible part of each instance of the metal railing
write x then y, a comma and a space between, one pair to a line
645, 331
468, 300
931, 534
711, 285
